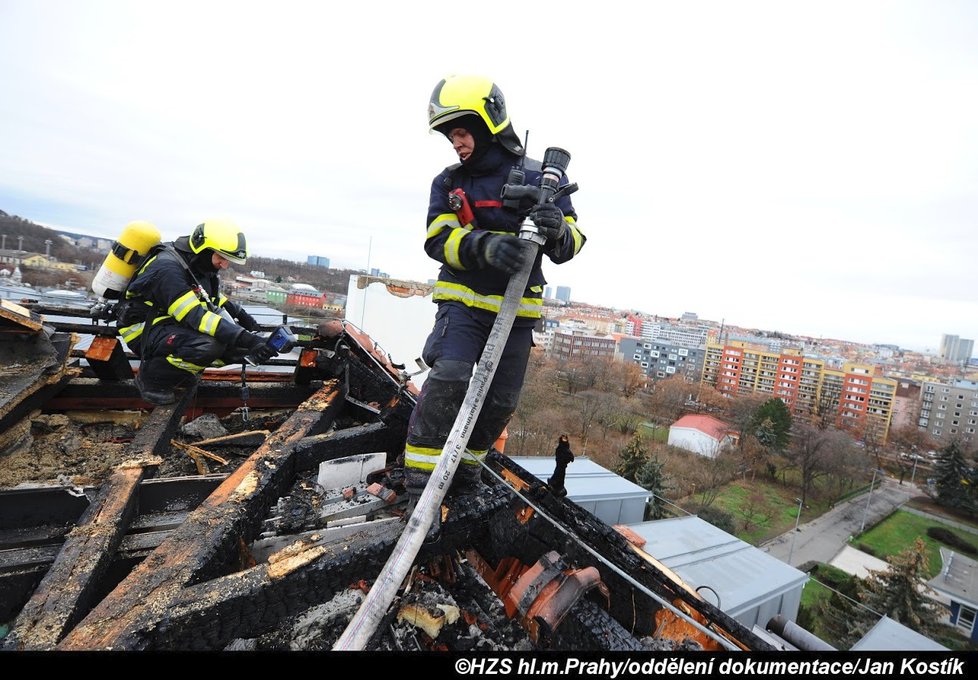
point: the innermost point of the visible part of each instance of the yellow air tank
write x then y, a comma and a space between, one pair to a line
126, 254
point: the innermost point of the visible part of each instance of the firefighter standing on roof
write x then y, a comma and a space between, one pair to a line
475, 238
175, 317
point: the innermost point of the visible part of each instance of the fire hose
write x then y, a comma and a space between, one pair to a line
365, 622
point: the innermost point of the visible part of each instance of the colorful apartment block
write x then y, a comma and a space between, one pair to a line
852, 398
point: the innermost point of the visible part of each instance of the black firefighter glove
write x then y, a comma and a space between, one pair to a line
505, 252
247, 321
256, 347
550, 221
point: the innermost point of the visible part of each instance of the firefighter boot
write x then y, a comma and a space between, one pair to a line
157, 379
415, 482
467, 481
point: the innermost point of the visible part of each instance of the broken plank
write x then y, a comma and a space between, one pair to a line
206, 544
191, 450
65, 593
247, 604
247, 438
153, 438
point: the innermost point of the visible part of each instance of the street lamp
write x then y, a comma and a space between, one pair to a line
869, 498
791, 550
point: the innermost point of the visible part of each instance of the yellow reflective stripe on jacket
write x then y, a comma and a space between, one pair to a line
221, 299
452, 245
423, 458
185, 365
208, 323
578, 237
183, 304
442, 222
531, 307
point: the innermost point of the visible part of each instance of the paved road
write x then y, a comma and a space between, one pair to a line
825, 536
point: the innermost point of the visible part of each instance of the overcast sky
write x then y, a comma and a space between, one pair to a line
808, 167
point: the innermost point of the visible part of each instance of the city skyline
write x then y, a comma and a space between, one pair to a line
728, 161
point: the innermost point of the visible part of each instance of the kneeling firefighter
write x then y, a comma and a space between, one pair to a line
472, 232
175, 318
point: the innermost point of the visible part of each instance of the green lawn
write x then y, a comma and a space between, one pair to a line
658, 433
763, 509
898, 531
813, 592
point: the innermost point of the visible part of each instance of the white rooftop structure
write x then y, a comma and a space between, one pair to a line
609, 497
751, 585
398, 316
891, 636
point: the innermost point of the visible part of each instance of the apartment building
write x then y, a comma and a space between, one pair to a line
949, 411
853, 397
568, 344
660, 360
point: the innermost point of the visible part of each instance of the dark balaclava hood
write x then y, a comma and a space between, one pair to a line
477, 128
203, 262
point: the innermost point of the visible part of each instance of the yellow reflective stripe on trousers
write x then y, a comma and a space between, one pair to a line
208, 323
185, 365
423, 458
182, 305
529, 306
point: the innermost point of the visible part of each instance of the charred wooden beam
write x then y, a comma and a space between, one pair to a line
36, 521
245, 605
90, 393
39, 505
107, 359
65, 594
350, 441
153, 438
589, 626
207, 543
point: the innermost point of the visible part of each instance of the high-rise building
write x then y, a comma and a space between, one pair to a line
568, 344
548, 293
853, 398
317, 261
956, 350
949, 411
662, 359
563, 294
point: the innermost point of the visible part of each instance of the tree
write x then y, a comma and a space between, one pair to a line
718, 518
953, 478
772, 424
910, 438
750, 510
668, 399
897, 592
588, 405
650, 476
633, 456
712, 474
815, 453
741, 412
